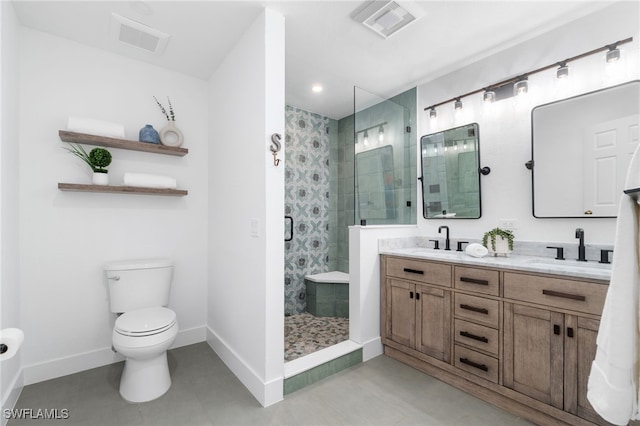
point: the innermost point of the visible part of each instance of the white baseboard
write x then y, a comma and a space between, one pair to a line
190, 336
12, 398
97, 358
266, 393
372, 348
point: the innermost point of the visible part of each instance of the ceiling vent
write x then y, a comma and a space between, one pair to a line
386, 18
138, 35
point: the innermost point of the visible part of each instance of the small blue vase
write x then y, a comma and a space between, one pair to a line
149, 134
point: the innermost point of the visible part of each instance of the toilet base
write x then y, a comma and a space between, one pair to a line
145, 380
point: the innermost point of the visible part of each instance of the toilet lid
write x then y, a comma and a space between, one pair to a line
142, 322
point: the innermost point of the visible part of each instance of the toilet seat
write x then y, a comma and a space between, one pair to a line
145, 322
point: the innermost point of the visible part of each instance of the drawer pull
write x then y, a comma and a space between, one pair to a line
474, 364
564, 295
474, 281
414, 271
474, 337
474, 309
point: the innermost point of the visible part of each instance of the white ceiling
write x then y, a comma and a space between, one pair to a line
323, 44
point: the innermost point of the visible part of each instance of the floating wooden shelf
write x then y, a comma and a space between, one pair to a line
104, 141
121, 189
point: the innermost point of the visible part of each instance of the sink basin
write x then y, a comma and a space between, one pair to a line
571, 264
435, 253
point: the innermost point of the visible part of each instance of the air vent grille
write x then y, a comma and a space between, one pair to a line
384, 17
138, 35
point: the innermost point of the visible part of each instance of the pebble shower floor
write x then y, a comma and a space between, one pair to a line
305, 334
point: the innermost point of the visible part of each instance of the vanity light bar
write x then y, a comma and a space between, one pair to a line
613, 47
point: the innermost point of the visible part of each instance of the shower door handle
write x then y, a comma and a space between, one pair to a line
290, 228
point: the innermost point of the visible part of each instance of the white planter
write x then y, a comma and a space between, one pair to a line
100, 178
502, 247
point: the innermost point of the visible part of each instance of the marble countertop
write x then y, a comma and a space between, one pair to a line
570, 268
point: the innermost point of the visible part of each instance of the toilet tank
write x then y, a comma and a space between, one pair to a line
138, 284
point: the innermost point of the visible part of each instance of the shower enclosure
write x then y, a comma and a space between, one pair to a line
334, 178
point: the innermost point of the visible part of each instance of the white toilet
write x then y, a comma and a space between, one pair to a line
139, 291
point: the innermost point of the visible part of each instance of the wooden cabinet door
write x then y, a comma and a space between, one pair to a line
433, 322
580, 351
401, 317
533, 351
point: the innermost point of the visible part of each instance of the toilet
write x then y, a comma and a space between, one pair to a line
145, 327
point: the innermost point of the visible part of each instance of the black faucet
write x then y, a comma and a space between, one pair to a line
446, 242
581, 248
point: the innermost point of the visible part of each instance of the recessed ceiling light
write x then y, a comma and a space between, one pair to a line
316, 88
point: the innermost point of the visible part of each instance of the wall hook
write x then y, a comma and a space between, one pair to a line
485, 170
275, 147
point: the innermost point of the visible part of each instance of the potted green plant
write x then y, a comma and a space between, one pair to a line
97, 159
498, 241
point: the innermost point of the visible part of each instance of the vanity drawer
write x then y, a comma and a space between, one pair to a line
418, 270
556, 292
477, 336
478, 280
477, 309
476, 363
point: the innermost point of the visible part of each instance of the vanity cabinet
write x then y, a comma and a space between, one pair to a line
521, 341
548, 351
419, 311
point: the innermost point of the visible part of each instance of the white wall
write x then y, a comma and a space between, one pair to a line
10, 376
505, 132
246, 271
66, 237
364, 283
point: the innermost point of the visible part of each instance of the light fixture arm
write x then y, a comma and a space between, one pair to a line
521, 76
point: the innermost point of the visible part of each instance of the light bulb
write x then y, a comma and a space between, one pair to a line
562, 71
613, 54
520, 87
489, 96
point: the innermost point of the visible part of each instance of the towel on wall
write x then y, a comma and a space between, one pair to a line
144, 180
613, 382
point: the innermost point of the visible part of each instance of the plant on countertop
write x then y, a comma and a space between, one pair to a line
97, 158
497, 232
170, 116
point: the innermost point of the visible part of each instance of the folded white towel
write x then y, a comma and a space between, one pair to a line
476, 250
95, 127
145, 180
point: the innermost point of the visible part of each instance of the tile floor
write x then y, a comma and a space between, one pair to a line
305, 333
381, 391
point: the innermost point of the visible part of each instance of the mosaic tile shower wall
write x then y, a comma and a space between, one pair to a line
307, 194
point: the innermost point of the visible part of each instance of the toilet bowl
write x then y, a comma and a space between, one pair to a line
145, 328
143, 337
